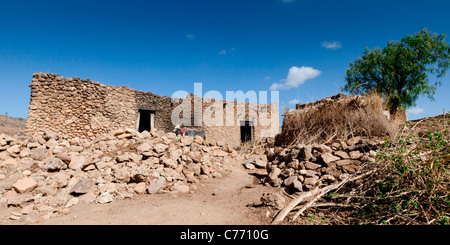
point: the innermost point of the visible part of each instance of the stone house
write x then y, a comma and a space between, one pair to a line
73, 107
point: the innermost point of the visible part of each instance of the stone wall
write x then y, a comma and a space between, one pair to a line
72, 107
162, 106
221, 119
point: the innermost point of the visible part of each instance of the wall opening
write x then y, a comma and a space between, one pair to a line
146, 120
246, 131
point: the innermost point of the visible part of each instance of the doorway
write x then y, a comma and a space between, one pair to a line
246, 131
146, 120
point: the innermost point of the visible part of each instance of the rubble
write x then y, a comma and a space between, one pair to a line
302, 167
47, 175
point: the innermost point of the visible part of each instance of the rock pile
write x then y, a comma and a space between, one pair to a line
45, 175
302, 167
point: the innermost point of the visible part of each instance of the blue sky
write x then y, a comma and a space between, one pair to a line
165, 46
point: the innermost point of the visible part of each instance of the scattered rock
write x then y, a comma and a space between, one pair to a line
25, 185
322, 149
301, 166
328, 158
180, 188
274, 174
274, 200
105, 197
143, 147
54, 164
312, 166
154, 188
160, 148
72, 202
345, 162
342, 154
77, 162
187, 140
260, 163
49, 174
140, 188
355, 155
249, 166
83, 186
9, 163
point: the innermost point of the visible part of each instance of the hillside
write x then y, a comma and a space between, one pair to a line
11, 125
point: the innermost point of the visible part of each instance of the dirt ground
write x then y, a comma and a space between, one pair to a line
217, 201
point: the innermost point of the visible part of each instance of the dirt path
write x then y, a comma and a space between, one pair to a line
216, 202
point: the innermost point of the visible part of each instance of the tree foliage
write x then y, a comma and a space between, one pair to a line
401, 71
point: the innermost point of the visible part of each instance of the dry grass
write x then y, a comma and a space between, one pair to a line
409, 184
336, 120
412, 180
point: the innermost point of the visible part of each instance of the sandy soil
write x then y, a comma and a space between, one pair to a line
220, 201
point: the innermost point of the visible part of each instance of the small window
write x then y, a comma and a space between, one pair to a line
146, 120
246, 131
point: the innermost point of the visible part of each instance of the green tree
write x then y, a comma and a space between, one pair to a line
401, 71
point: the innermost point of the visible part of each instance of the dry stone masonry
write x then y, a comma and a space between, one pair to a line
78, 108
73, 107
302, 167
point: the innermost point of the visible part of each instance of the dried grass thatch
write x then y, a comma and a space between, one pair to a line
336, 118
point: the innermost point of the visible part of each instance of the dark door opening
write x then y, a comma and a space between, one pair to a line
246, 131
146, 120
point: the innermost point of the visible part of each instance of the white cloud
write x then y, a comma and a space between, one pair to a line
332, 45
296, 77
294, 101
227, 51
414, 111
267, 78
222, 52
190, 36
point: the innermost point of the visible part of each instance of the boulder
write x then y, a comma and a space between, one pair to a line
25, 185
350, 168
186, 140
355, 154
160, 148
158, 185
260, 163
143, 147
306, 153
312, 166
274, 174
121, 175
83, 186
53, 164
105, 197
78, 162
199, 140
345, 162
9, 163
39, 154
140, 188
322, 148
63, 157
180, 187
13, 150
327, 158
50, 135
341, 154
274, 200
168, 162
